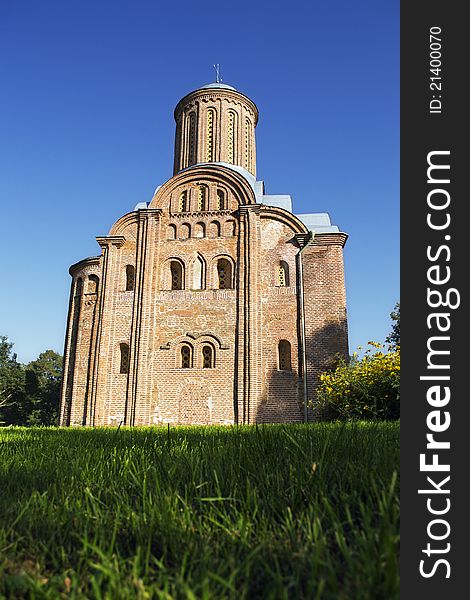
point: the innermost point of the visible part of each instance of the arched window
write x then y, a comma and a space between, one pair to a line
183, 202
207, 357
224, 274
124, 367
93, 283
192, 138
79, 287
171, 232
199, 230
230, 228
283, 274
247, 144
130, 278
220, 200
186, 357
284, 356
176, 269
198, 274
214, 229
185, 231
202, 198
231, 137
210, 135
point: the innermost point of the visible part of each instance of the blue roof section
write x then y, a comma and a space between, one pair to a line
279, 200
318, 222
222, 86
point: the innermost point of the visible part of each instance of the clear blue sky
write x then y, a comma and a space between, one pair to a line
87, 130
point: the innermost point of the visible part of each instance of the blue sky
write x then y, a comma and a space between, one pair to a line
87, 131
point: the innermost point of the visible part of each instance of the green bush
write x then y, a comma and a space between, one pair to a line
367, 388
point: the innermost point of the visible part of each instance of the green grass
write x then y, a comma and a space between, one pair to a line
298, 511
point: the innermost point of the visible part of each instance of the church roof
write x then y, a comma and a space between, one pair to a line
223, 86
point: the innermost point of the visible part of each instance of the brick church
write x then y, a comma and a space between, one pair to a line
213, 302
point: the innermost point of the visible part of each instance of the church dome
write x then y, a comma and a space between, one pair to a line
215, 123
222, 86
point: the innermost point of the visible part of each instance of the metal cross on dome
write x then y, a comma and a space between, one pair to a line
218, 77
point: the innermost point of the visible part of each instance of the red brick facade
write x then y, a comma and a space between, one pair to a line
194, 311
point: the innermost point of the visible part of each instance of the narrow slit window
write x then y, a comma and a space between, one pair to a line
231, 138
202, 198
247, 144
283, 274
183, 202
176, 270
210, 136
284, 356
192, 138
124, 366
130, 278
224, 274
198, 273
220, 200
186, 357
207, 357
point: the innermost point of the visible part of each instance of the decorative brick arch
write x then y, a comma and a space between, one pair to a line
195, 339
283, 216
166, 276
126, 226
238, 188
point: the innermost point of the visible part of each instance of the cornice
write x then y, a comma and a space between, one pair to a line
247, 208
200, 214
108, 240
303, 239
330, 239
207, 95
145, 213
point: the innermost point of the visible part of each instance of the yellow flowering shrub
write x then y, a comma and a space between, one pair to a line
366, 388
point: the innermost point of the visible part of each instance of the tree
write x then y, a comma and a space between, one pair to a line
11, 383
393, 337
42, 385
29, 394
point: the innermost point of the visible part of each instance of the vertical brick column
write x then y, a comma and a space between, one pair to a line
240, 399
325, 305
103, 355
250, 300
142, 335
78, 341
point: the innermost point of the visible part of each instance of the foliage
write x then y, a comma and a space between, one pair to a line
367, 388
29, 394
43, 379
274, 511
393, 337
12, 381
